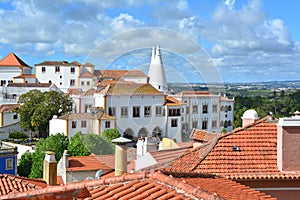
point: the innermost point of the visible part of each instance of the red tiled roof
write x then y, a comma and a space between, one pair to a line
86, 163
193, 93
139, 186
131, 88
117, 74
10, 183
5, 108
87, 75
59, 63
171, 101
245, 153
29, 84
13, 60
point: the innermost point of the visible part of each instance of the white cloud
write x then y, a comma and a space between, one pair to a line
182, 5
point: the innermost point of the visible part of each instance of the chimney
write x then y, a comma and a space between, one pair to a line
50, 167
120, 155
139, 147
288, 140
66, 159
249, 117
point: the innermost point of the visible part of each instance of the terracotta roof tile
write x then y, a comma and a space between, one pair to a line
13, 61
87, 75
29, 84
245, 153
86, 163
171, 101
10, 183
193, 93
131, 88
25, 76
59, 63
147, 186
6, 108
118, 74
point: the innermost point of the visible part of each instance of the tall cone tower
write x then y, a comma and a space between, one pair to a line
156, 74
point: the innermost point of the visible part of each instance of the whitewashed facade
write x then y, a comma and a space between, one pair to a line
206, 111
63, 74
70, 124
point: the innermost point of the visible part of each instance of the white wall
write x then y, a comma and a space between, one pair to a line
8, 72
57, 126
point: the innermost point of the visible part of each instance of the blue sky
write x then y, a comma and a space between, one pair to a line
201, 41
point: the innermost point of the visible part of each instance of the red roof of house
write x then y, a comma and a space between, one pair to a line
86, 163
29, 84
139, 186
13, 61
245, 153
6, 108
171, 101
10, 183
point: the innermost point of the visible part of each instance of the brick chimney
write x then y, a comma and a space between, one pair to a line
288, 141
50, 168
120, 155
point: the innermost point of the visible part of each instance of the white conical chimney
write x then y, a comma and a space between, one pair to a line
156, 74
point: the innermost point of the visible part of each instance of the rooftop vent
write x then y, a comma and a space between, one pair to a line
235, 148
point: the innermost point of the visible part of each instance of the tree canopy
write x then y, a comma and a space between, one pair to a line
37, 108
110, 134
281, 105
25, 164
56, 143
76, 146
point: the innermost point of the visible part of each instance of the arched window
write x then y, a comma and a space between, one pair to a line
229, 123
229, 108
129, 133
157, 131
143, 132
225, 124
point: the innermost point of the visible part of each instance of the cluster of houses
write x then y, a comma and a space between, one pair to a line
259, 160
137, 105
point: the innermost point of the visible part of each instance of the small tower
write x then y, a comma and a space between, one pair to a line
156, 74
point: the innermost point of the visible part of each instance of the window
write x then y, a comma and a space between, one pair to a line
222, 108
147, 111
215, 108
195, 109
57, 69
136, 111
225, 124
15, 116
158, 111
107, 124
229, 108
60, 76
174, 112
195, 124
14, 96
3, 82
112, 111
82, 82
214, 123
73, 124
72, 82
124, 111
83, 124
204, 109
43, 69
204, 124
9, 164
222, 123
72, 70
182, 110
86, 107
174, 123
87, 83
229, 123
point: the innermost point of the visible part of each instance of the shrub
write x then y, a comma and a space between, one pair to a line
17, 135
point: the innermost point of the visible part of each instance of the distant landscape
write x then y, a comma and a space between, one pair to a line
250, 89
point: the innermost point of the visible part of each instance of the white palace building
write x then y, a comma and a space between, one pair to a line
137, 105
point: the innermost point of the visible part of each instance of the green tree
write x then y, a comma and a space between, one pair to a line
76, 146
56, 143
25, 164
37, 108
110, 134
97, 145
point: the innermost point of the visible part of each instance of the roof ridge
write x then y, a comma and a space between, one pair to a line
236, 130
